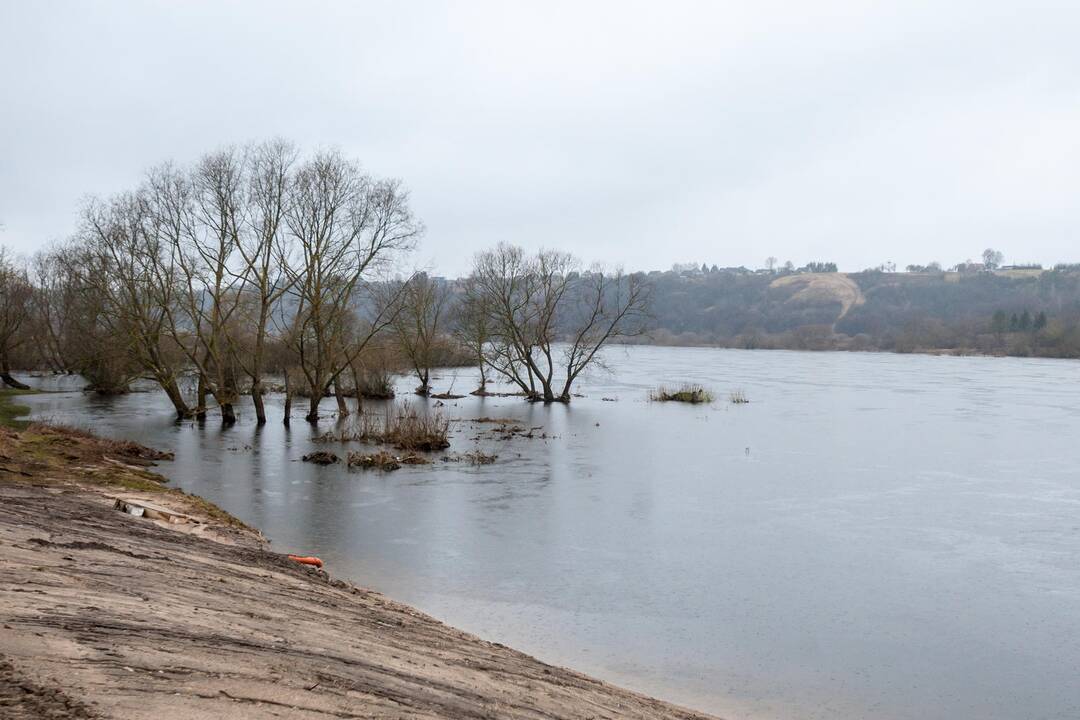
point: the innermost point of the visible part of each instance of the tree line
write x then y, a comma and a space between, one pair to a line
261, 261
977, 312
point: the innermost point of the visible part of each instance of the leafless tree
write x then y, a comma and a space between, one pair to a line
266, 252
16, 295
473, 327
55, 306
195, 218
68, 323
346, 226
127, 266
550, 321
417, 325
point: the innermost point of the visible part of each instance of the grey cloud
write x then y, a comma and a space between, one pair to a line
634, 133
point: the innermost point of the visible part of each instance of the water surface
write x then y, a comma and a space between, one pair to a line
873, 536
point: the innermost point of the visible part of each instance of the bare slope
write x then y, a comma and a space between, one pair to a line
821, 289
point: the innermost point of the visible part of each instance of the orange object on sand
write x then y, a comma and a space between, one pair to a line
307, 560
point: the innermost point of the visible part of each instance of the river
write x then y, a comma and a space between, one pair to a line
872, 536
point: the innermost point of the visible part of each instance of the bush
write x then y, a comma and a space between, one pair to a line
407, 430
401, 427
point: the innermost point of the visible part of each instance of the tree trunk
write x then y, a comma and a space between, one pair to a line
257, 401
228, 414
173, 391
482, 390
5, 375
342, 408
313, 405
288, 398
356, 389
200, 398
12, 382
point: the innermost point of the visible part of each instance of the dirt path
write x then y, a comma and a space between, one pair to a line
108, 615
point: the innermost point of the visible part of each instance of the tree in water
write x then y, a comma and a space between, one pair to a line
417, 322
133, 273
549, 321
346, 226
473, 328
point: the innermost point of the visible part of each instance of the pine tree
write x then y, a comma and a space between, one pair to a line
999, 323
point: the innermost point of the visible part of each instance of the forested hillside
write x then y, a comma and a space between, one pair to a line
1004, 312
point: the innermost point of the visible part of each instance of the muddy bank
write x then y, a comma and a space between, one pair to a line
109, 615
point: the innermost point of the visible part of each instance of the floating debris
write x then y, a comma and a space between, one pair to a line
321, 457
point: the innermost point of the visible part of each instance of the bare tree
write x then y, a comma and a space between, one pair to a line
125, 263
72, 336
417, 324
55, 302
16, 294
770, 263
266, 252
550, 321
473, 327
200, 216
345, 225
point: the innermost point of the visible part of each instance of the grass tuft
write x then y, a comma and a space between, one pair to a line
688, 393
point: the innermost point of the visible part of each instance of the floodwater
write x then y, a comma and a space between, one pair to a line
872, 536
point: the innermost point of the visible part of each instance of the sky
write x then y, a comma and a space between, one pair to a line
629, 133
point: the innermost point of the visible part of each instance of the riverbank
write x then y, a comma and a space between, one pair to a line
109, 615
11, 410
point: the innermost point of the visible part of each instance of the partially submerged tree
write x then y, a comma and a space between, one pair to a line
266, 251
417, 323
346, 226
549, 322
244, 263
129, 267
473, 327
198, 217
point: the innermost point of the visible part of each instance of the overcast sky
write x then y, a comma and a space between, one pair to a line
638, 134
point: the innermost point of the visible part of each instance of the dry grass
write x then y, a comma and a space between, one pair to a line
45, 453
688, 393
407, 430
400, 426
738, 397
86, 445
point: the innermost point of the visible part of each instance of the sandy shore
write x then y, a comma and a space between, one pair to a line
109, 615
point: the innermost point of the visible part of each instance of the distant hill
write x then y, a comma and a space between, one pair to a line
1015, 312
